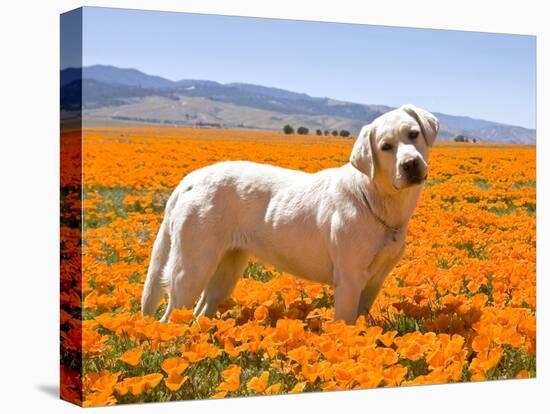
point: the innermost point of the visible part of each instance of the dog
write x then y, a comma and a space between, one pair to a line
343, 226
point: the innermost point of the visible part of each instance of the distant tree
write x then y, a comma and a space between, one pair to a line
344, 133
463, 138
335, 133
319, 132
326, 132
302, 130
287, 129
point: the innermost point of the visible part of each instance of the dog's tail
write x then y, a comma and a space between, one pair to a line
155, 286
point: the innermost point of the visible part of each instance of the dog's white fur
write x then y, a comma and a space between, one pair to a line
333, 226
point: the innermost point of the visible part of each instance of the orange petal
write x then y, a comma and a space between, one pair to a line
132, 357
174, 381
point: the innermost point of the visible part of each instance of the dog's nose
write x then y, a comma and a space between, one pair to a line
411, 165
414, 170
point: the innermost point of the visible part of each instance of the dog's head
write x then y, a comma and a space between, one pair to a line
393, 150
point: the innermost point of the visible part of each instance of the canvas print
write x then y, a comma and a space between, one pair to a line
261, 206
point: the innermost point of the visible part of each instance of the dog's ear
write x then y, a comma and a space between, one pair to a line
361, 154
429, 124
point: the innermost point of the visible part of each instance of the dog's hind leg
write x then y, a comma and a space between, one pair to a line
189, 268
220, 286
187, 282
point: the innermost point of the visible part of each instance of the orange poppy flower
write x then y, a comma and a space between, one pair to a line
258, 384
174, 365
99, 398
394, 375
111, 322
232, 378
261, 313
299, 387
481, 343
134, 385
132, 357
273, 389
523, 374
174, 381
387, 338
182, 316
205, 323
152, 380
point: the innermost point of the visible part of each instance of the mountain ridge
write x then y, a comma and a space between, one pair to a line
127, 92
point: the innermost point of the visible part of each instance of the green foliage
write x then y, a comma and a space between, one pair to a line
414, 368
257, 272
474, 252
512, 362
302, 130
482, 183
400, 322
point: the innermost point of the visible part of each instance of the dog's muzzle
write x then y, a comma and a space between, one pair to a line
414, 170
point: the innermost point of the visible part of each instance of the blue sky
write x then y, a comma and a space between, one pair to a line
482, 75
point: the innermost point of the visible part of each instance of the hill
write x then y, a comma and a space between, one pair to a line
110, 93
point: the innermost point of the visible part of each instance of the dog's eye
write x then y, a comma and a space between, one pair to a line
413, 135
387, 147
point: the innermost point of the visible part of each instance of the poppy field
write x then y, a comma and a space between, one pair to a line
460, 305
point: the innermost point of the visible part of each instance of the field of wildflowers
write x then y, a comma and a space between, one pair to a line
460, 305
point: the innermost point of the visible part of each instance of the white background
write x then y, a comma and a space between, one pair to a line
29, 165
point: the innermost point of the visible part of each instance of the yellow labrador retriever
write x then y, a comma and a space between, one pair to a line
343, 226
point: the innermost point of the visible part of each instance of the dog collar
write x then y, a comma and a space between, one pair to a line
393, 230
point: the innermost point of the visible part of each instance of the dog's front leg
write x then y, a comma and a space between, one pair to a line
347, 292
370, 292
380, 268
